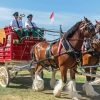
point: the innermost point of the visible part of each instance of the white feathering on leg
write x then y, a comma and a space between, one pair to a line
38, 83
71, 87
58, 88
87, 87
53, 80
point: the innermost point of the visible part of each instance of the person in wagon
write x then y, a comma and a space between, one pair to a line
32, 27
16, 24
29, 23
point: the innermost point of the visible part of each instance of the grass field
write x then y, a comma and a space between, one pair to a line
20, 89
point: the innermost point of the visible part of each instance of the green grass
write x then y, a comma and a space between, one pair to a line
20, 88
79, 78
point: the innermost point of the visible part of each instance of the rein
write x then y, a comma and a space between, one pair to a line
52, 57
75, 39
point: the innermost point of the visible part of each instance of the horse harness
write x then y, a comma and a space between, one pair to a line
68, 50
52, 65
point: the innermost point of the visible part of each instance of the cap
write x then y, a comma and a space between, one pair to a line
30, 15
16, 14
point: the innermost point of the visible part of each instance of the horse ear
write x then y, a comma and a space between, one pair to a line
86, 19
96, 21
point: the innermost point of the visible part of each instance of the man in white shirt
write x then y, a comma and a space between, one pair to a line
17, 24
33, 29
29, 24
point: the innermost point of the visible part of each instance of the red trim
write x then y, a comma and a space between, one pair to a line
60, 46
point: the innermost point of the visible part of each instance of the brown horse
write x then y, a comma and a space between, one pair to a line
67, 59
91, 57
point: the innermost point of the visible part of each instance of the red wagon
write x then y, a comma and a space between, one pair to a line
14, 53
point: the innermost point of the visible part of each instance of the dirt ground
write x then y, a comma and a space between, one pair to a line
20, 89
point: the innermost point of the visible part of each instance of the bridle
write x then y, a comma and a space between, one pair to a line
84, 25
87, 26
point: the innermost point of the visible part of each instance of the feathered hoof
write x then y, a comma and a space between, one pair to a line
58, 88
57, 94
89, 90
75, 95
38, 85
75, 98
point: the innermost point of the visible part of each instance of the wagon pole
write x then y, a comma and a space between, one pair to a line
87, 74
47, 30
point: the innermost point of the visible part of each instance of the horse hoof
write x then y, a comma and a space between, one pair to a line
87, 87
38, 85
34, 89
57, 94
95, 94
58, 88
75, 98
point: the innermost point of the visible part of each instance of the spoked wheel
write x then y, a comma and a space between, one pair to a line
4, 76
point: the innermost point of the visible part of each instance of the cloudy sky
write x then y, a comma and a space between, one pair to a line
67, 12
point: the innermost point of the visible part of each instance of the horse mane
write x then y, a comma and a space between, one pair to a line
72, 30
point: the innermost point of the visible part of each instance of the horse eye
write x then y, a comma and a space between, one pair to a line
86, 28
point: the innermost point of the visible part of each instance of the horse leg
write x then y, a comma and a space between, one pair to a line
38, 83
94, 82
71, 86
87, 87
32, 73
53, 80
60, 84
93, 71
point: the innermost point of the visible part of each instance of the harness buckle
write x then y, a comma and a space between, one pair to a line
77, 60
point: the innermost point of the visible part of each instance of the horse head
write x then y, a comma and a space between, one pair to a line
87, 28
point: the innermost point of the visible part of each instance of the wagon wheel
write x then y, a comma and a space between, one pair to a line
4, 76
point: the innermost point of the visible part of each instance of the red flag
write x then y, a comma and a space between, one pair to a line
52, 17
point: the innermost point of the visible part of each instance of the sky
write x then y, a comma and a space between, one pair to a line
67, 12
